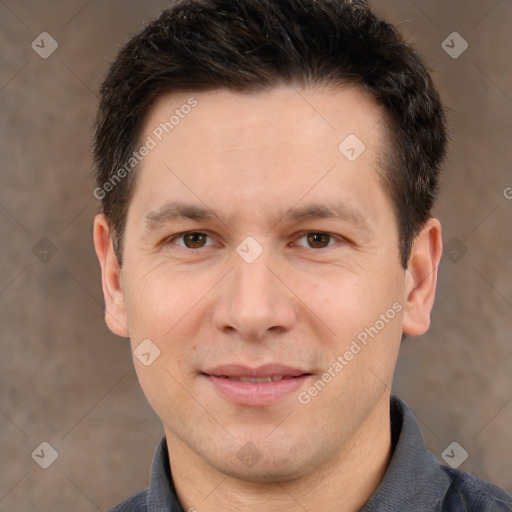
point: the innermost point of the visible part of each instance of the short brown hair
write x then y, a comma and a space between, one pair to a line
249, 45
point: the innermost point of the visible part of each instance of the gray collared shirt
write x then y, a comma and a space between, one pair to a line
415, 481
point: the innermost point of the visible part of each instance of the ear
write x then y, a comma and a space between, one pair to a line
115, 311
421, 278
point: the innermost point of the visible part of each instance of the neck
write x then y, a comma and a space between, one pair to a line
342, 484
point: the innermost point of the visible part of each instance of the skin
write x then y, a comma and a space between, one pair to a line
252, 158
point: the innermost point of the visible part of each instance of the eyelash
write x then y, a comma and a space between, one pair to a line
302, 235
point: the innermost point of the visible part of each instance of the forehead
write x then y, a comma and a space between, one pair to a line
310, 115
254, 151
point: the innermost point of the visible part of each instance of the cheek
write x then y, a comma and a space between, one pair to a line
162, 306
365, 306
169, 307
156, 299
342, 299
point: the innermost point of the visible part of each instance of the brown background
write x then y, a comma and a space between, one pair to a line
66, 380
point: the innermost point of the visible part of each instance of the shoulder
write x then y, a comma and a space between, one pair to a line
467, 492
136, 503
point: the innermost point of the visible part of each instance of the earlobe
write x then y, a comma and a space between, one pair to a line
115, 311
421, 278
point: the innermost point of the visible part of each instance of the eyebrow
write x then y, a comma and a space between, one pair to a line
176, 210
329, 210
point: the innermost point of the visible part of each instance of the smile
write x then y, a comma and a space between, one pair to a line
255, 387
274, 378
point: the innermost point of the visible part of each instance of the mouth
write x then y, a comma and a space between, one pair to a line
273, 378
255, 387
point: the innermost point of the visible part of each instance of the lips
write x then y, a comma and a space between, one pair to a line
271, 370
273, 378
256, 387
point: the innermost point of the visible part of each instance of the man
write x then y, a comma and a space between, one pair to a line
267, 171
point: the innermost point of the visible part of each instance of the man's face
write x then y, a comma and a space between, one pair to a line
297, 257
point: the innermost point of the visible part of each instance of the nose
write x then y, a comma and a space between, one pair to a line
254, 300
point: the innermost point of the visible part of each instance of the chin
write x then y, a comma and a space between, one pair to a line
264, 472
265, 464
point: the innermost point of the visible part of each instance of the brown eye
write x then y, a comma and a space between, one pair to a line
318, 240
194, 240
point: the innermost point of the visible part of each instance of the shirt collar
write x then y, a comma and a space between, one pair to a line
162, 495
413, 479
